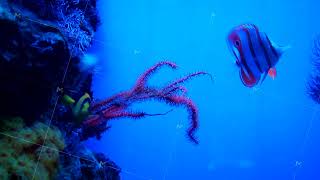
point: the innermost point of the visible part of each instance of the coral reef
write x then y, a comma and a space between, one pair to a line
76, 20
314, 81
42, 45
61, 157
118, 106
20, 148
32, 54
83, 164
39, 39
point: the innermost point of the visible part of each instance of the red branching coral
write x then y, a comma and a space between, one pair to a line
173, 94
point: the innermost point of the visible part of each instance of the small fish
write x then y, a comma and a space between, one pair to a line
67, 100
80, 108
255, 53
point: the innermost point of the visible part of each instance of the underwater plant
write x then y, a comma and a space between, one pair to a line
313, 85
118, 106
20, 149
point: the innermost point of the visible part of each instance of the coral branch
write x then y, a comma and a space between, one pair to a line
193, 113
145, 76
118, 106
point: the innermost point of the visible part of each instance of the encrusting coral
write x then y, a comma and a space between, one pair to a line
20, 148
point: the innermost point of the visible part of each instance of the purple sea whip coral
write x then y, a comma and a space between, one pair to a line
118, 106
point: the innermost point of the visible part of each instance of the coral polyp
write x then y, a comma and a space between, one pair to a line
118, 106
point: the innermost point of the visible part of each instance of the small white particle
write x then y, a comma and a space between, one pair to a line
136, 51
179, 126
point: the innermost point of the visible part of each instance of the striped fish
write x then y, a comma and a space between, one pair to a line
80, 108
256, 55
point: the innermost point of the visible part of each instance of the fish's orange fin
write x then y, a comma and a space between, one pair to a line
272, 73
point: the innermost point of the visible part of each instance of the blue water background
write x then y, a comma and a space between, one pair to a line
245, 134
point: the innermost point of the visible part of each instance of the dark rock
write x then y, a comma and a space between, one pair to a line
81, 163
39, 40
32, 57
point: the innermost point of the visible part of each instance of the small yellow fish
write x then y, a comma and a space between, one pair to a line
67, 100
80, 109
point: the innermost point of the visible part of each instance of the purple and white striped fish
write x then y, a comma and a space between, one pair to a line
255, 54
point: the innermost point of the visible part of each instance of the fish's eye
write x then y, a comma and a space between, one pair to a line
237, 43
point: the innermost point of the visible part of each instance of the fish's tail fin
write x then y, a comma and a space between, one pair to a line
282, 49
